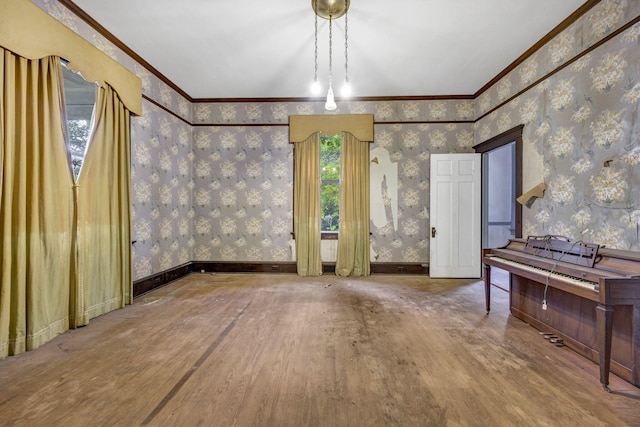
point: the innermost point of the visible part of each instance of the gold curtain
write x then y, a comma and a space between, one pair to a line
353, 240
104, 214
36, 205
306, 209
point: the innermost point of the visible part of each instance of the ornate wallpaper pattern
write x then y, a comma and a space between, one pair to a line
243, 189
213, 181
162, 186
582, 133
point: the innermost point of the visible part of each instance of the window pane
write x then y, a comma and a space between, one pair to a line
78, 136
330, 182
330, 206
330, 157
79, 97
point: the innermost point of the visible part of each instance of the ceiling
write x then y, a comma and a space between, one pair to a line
265, 49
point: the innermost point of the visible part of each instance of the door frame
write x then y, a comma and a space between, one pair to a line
511, 135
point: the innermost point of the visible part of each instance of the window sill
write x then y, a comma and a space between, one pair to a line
329, 235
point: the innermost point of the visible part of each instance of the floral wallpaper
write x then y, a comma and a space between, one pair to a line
243, 182
582, 131
213, 181
243, 189
162, 185
602, 20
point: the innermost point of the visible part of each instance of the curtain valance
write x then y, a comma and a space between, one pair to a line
30, 32
360, 125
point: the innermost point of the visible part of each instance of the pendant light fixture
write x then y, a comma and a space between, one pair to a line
315, 86
331, 9
330, 105
346, 87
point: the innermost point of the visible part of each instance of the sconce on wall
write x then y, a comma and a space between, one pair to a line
331, 9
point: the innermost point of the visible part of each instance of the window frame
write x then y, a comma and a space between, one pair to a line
330, 234
302, 126
77, 92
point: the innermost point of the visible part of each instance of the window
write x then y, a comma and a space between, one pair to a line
330, 183
80, 98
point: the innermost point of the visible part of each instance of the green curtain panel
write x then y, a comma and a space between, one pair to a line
36, 205
353, 240
66, 249
104, 213
306, 209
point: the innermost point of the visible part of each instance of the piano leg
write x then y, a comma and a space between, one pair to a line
487, 286
604, 318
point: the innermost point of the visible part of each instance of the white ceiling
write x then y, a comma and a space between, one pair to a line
265, 49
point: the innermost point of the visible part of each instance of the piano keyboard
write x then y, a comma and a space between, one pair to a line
558, 276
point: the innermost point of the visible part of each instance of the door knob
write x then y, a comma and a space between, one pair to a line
433, 232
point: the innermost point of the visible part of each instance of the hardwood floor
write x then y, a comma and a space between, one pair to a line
500, 278
280, 350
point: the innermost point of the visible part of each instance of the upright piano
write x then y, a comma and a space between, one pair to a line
587, 295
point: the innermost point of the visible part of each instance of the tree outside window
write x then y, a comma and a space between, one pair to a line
330, 182
78, 136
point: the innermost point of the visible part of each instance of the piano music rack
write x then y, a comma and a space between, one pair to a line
562, 248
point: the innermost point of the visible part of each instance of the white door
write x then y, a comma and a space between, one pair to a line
455, 215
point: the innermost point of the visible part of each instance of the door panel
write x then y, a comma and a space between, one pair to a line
455, 215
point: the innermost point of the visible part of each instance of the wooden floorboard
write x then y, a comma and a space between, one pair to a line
279, 350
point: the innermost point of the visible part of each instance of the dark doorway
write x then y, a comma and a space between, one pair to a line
501, 184
498, 187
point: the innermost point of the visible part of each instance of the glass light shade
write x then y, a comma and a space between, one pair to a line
316, 87
330, 105
346, 89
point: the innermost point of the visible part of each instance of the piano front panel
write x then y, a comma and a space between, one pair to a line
573, 318
620, 291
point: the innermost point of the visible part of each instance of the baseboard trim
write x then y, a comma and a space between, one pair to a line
399, 268
157, 280
243, 267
